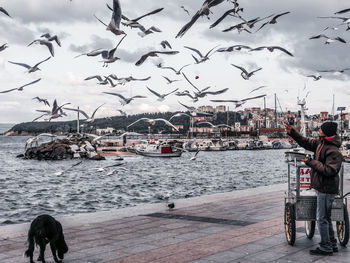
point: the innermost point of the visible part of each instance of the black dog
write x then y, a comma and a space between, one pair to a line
45, 229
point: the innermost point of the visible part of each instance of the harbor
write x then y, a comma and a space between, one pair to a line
238, 226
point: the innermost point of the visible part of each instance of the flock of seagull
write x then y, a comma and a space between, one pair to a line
119, 20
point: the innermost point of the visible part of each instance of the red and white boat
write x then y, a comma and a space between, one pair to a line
154, 148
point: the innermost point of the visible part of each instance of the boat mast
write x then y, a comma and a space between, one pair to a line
78, 124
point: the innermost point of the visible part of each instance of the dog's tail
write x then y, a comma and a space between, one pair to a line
29, 252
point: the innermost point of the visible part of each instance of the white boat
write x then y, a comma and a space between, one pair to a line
154, 148
217, 145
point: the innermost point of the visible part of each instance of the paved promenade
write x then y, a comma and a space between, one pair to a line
241, 226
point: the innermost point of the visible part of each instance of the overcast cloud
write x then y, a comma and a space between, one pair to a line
74, 23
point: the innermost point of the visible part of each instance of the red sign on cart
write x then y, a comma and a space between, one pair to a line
305, 178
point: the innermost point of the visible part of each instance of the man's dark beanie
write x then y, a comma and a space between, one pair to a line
329, 128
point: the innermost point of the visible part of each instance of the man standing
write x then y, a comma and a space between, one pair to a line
324, 178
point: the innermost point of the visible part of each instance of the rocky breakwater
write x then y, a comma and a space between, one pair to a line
75, 146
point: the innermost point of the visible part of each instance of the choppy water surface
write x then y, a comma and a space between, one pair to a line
29, 188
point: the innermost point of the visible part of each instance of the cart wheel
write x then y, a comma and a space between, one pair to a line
289, 223
343, 228
310, 229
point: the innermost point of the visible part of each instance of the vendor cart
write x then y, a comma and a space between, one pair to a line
301, 202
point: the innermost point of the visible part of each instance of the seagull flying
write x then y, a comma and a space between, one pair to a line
47, 43
154, 54
239, 103
2, 10
273, 20
30, 68
178, 115
202, 93
165, 44
21, 87
51, 38
204, 10
41, 100
3, 47
89, 119
245, 74
153, 121
122, 81
177, 72
114, 25
183, 8
233, 48
161, 97
329, 40
124, 100
315, 77
170, 80
54, 113
256, 89
342, 11
202, 58
272, 48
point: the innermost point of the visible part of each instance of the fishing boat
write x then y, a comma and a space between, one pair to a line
154, 148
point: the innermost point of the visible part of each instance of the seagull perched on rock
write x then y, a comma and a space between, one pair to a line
124, 100
161, 97
89, 119
202, 58
114, 25
315, 77
2, 10
239, 103
3, 47
271, 49
329, 40
272, 20
203, 11
21, 87
154, 54
51, 38
47, 43
46, 102
177, 72
153, 121
245, 74
165, 44
30, 68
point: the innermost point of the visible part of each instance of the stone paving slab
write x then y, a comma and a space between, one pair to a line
241, 226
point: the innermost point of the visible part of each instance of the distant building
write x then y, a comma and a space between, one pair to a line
206, 109
220, 108
104, 131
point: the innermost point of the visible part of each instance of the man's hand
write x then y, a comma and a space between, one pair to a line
288, 127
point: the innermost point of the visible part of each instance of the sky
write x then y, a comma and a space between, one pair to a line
62, 76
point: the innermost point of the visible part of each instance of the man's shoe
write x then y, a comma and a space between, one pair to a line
335, 249
320, 252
